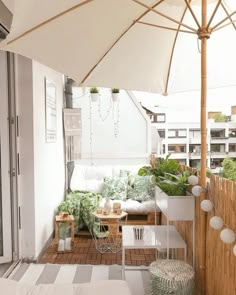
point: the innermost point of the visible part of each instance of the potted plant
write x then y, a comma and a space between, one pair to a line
171, 189
115, 93
94, 93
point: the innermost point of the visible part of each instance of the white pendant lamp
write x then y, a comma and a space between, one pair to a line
216, 222
227, 236
206, 205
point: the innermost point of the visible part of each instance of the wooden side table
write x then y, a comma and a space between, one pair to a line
106, 236
67, 240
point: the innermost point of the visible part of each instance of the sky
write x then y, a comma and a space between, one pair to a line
185, 106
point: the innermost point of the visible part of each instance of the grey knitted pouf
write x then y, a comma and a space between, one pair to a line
171, 277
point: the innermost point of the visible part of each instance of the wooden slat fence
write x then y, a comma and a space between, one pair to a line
220, 260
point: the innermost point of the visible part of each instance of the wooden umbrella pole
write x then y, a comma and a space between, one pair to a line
203, 35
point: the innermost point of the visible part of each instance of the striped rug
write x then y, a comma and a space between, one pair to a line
138, 280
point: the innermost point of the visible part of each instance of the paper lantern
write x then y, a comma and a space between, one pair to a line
227, 236
206, 205
196, 190
234, 250
216, 222
193, 180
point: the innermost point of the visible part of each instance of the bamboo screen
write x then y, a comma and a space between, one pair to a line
220, 260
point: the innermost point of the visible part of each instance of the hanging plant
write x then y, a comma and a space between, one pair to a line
94, 93
115, 92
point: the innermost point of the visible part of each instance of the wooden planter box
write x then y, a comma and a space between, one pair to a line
176, 208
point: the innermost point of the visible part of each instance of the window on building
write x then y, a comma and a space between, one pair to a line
157, 118
162, 133
182, 149
217, 148
161, 118
154, 118
216, 163
171, 148
182, 133
232, 148
194, 163
232, 133
176, 148
193, 148
171, 133
194, 133
151, 117
177, 133
218, 133
164, 149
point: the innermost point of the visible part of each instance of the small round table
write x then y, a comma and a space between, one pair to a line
171, 277
105, 232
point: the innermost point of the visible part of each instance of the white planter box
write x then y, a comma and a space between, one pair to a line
175, 207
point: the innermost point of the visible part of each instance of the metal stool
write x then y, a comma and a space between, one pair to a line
171, 277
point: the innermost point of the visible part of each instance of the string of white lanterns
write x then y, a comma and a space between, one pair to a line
227, 235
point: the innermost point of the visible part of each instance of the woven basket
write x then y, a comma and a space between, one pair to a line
171, 277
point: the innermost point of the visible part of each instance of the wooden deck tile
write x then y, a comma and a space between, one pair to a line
84, 252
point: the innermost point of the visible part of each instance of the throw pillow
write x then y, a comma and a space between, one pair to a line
115, 188
140, 188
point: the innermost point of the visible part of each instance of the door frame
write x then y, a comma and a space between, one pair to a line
14, 155
13, 250
5, 166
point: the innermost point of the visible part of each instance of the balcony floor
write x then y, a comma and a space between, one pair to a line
85, 253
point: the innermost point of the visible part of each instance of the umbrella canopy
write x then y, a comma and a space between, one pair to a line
124, 43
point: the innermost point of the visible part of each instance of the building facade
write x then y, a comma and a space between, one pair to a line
183, 140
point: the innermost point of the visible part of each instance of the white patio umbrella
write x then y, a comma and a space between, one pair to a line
150, 45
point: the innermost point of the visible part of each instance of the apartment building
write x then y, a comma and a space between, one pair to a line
183, 140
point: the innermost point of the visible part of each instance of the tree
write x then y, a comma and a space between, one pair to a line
229, 169
219, 117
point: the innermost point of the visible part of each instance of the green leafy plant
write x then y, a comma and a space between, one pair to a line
175, 185
168, 176
94, 90
208, 172
80, 205
161, 167
229, 169
115, 90
219, 117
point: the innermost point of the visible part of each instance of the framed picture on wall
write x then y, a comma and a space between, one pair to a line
50, 111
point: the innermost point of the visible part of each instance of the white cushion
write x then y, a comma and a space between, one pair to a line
94, 186
83, 174
134, 206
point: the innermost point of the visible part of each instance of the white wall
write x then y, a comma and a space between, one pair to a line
132, 145
42, 175
49, 169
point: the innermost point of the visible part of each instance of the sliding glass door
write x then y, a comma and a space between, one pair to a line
5, 199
